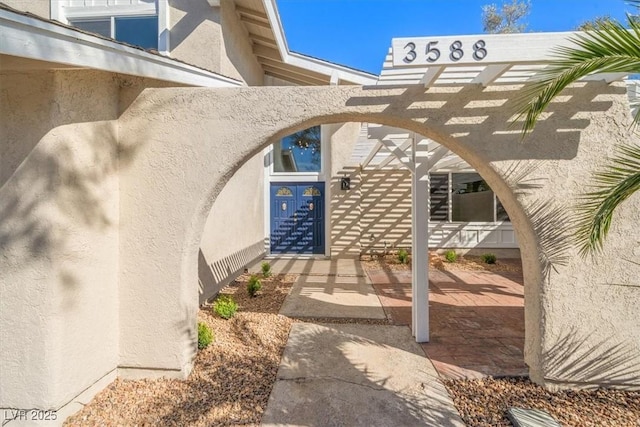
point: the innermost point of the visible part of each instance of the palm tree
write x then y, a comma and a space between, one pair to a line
609, 48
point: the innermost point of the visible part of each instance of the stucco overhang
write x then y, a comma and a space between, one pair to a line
26, 40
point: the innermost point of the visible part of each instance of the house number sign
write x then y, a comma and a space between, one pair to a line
442, 51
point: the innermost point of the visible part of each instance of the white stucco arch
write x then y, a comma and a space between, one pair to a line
189, 142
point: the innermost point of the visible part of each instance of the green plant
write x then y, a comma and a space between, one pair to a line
254, 285
609, 47
266, 269
489, 258
225, 307
403, 256
451, 256
205, 336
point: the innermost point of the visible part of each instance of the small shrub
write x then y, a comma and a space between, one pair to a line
253, 285
225, 307
489, 258
205, 336
451, 256
266, 269
403, 256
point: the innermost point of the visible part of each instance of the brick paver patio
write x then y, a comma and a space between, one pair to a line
477, 319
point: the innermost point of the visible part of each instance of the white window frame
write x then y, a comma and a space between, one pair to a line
450, 202
60, 11
319, 176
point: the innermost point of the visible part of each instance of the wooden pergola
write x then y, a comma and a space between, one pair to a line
452, 61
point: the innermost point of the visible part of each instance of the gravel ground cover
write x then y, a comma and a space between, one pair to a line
484, 402
390, 262
231, 379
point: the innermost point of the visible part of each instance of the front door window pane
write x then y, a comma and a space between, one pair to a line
299, 152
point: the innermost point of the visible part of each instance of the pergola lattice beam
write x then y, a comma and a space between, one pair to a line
398, 152
484, 59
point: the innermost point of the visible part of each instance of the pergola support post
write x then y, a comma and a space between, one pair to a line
420, 240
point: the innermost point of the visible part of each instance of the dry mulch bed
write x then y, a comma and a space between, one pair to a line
484, 402
390, 262
231, 379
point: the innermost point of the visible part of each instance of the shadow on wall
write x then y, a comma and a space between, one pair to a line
386, 210
196, 13
63, 180
575, 359
214, 276
345, 214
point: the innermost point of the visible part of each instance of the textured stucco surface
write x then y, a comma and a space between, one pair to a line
195, 34
180, 133
104, 207
234, 232
212, 38
237, 58
344, 225
37, 7
58, 235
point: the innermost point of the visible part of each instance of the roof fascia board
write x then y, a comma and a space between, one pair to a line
311, 64
31, 38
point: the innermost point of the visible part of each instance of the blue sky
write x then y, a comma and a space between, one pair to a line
358, 33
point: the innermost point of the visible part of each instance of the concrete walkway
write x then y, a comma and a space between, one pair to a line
350, 297
350, 374
357, 375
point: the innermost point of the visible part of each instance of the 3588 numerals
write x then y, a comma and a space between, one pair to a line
456, 52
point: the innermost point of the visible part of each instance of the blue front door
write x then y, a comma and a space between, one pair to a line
297, 218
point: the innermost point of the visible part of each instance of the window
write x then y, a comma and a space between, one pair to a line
471, 199
299, 152
136, 30
439, 197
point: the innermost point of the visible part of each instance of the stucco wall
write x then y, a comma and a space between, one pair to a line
195, 34
386, 210
167, 194
37, 7
58, 235
234, 233
344, 204
237, 59
212, 38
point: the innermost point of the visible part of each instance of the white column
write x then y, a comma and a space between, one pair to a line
420, 240
163, 27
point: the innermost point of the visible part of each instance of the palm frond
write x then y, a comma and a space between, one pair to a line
613, 185
611, 48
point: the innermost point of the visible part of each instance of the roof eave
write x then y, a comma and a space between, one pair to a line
334, 71
32, 38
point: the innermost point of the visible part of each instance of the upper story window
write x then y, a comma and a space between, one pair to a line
136, 30
299, 152
140, 23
